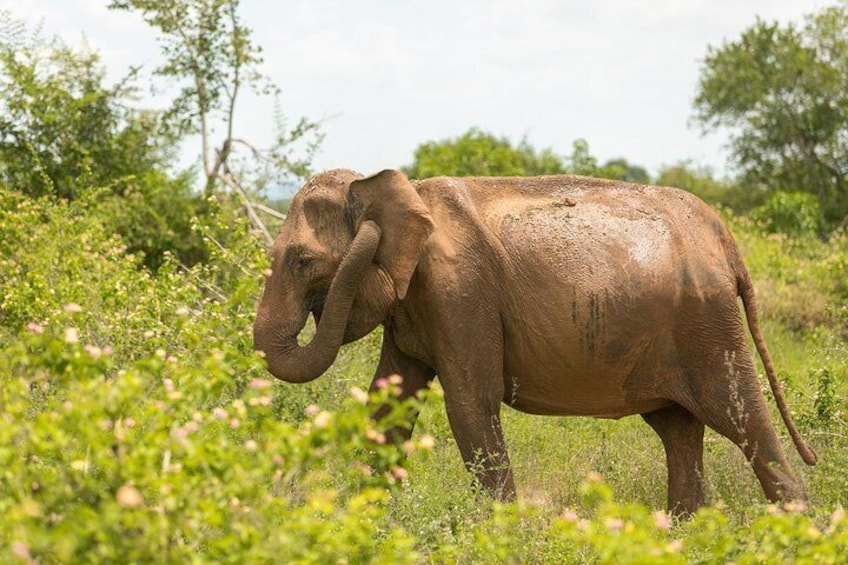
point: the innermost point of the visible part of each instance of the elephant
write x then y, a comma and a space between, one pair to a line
555, 295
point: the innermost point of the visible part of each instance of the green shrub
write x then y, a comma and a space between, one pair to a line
793, 213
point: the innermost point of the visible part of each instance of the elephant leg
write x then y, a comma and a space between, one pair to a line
683, 439
414, 377
734, 406
472, 378
477, 428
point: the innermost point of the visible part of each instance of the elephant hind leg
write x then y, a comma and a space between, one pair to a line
683, 439
733, 405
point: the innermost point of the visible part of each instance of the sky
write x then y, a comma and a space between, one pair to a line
384, 77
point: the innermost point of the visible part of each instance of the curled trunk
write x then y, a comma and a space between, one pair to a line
291, 362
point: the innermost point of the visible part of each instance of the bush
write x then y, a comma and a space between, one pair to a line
793, 213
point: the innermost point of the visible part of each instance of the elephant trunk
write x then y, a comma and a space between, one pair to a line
293, 363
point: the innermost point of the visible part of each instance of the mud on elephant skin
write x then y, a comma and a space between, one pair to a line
557, 295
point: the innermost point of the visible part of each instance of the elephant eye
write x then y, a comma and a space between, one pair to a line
303, 261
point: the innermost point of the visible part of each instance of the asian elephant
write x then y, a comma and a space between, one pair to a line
557, 295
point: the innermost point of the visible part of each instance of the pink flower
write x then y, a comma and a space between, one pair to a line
661, 521
129, 497
569, 515
32, 327
399, 473
358, 394
260, 383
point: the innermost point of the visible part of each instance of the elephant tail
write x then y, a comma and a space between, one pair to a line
746, 291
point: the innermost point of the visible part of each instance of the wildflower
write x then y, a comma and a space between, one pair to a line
71, 335
220, 413
311, 410
375, 436
399, 473
182, 312
426, 442
21, 551
72, 308
260, 383
358, 394
661, 521
322, 420
129, 497
569, 515
93, 351
250, 445
614, 524
32, 327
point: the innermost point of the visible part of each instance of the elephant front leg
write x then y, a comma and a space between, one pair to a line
477, 428
414, 377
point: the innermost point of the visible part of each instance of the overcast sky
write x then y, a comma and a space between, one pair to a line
389, 75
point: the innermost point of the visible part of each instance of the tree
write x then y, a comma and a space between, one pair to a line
61, 127
702, 182
782, 92
209, 50
582, 162
621, 169
476, 153
64, 134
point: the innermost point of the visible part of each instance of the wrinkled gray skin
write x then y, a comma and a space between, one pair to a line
555, 295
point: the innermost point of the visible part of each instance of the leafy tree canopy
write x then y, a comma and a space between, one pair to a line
477, 153
782, 92
64, 133
62, 127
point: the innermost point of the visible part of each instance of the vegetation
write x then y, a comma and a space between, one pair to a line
782, 91
477, 153
137, 424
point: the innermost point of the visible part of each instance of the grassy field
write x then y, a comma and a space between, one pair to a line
137, 425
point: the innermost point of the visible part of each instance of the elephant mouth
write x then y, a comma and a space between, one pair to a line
316, 305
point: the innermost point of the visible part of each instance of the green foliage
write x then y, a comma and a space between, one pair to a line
702, 182
582, 162
209, 51
793, 213
62, 130
476, 153
782, 91
621, 169
136, 424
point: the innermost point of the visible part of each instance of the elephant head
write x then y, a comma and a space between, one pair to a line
346, 253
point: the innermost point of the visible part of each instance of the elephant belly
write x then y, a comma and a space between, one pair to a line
566, 395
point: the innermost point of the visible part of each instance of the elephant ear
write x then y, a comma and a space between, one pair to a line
389, 200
